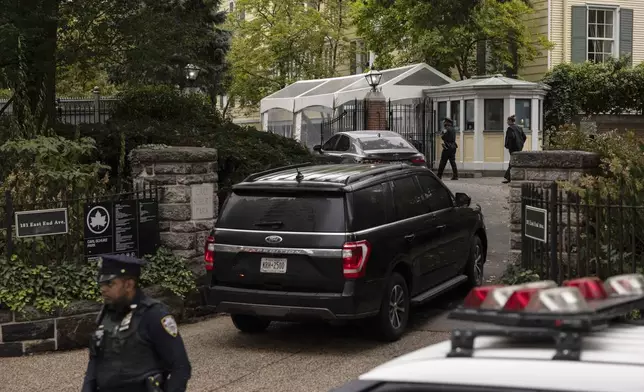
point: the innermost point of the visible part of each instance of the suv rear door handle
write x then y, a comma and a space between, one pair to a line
441, 227
410, 237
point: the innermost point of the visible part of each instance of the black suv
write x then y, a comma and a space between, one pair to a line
341, 242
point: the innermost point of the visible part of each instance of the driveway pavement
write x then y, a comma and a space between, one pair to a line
289, 357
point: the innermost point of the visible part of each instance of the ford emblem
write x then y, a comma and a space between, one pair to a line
273, 239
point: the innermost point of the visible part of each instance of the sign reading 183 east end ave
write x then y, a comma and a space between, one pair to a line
40, 223
536, 223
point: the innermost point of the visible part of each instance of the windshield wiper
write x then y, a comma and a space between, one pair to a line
273, 223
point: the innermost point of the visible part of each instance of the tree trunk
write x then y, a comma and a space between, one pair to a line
481, 57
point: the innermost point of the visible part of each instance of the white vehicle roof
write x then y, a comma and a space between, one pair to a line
611, 360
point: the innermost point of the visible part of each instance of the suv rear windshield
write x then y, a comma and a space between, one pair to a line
384, 143
303, 212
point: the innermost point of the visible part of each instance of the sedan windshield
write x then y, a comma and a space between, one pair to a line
384, 143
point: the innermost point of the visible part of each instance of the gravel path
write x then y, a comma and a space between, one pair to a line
290, 357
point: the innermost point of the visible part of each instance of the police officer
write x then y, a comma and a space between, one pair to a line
137, 346
449, 149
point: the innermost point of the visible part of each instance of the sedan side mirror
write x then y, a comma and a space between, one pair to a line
317, 148
462, 200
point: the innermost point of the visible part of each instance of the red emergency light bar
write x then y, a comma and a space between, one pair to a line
544, 300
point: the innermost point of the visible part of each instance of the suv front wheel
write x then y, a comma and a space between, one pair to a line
394, 310
249, 324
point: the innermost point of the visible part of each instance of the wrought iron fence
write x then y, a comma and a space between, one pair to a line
589, 235
414, 122
63, 247
74, 111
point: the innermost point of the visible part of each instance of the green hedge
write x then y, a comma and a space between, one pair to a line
613, 87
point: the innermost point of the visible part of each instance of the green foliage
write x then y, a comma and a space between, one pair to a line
288, 42
52, 287
445, 33
77, 80
163, 104
41, 172
615, 236
47, 288
516, 274
588, 88
168, 271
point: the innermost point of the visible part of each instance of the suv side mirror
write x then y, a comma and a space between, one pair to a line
317, 148
462, 200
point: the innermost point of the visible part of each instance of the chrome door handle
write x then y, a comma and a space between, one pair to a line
410, 237
441, 227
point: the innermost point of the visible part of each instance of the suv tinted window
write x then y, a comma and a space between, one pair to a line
438, 196
368, 207
310, 212
369, 143
408, 199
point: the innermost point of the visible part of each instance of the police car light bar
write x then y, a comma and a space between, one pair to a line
583, 303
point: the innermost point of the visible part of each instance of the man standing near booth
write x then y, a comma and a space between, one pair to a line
514, 140
449, 149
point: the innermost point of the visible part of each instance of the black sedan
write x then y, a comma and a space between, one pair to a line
369, 147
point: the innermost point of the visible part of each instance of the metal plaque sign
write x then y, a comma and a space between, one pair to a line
536, 223
40, 223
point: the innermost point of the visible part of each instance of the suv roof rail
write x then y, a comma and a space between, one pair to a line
254, 176
380, 170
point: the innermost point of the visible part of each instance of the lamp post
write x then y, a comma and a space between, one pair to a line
192, 72
373, 78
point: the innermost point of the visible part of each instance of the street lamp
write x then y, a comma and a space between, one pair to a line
373, 78
192, 72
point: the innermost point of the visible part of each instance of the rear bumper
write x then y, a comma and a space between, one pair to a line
280, 305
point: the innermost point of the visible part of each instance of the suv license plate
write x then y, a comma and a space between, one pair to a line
273, 266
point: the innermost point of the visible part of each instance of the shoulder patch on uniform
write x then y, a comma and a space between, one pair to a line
170, 325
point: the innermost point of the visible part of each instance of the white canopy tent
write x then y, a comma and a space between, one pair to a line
317, 99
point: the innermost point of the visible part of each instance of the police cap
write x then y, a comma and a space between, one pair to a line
114, 266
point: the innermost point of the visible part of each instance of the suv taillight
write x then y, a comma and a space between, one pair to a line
354, 258
209, 254
417, 160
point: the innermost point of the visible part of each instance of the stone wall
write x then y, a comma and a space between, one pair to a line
32, 331
188, 204
542, 168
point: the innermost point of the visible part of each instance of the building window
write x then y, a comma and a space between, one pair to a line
523, 113
601, 34
469, 115
455, 112
493, 114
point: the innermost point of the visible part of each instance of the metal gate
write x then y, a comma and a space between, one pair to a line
416, 122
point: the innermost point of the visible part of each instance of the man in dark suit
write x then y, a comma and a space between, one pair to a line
514, 140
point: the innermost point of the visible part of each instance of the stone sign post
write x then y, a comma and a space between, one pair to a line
187, 177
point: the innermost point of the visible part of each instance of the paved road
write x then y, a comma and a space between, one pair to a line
290, 357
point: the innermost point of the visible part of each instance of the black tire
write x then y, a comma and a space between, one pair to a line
250, 324
392, 320
474, 268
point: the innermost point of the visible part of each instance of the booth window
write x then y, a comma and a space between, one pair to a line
442, 114
523, 113
469, 115
455, 112
494, 115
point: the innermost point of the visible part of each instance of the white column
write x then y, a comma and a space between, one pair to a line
479, 124
508, 110
297, 126
534, 127
264, 117
461, 138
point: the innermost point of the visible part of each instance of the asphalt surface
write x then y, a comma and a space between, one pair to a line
289, 357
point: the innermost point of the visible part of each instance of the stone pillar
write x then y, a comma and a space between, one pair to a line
188, 205
542, 168
377, 114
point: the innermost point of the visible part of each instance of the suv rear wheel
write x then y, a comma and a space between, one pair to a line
249, 324
394, 310
475, 263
